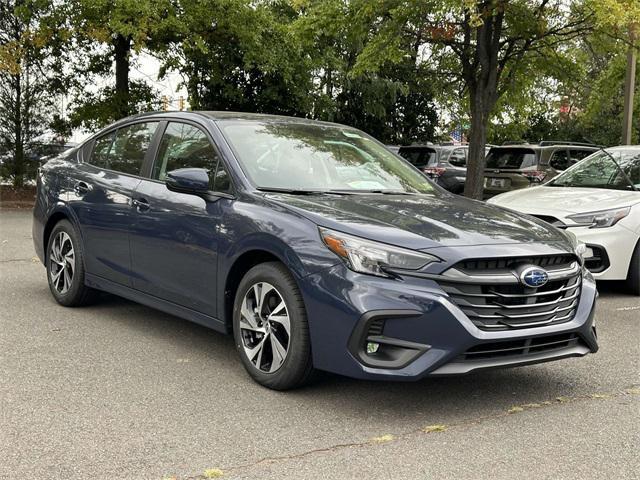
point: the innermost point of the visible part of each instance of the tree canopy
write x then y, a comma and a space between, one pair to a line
405, 71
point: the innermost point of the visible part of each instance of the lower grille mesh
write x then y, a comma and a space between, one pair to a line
519, 347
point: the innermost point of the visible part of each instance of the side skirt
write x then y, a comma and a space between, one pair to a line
129, 293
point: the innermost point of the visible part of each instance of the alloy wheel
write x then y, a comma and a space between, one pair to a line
62, 263
265, 327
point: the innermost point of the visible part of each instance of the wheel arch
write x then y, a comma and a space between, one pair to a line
238, 269
60, 212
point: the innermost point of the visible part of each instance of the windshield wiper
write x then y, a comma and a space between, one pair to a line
301, 191
379, 191
292, 191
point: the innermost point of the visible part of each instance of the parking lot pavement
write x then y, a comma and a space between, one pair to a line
121, 391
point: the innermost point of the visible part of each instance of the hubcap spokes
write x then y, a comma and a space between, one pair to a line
265, 327
62, 262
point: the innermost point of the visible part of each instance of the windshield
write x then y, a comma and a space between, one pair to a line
315, 157
600, 171
511, 158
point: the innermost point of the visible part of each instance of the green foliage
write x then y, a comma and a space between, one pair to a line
297, 58
96, 110
29, 45
394, 103
105, 34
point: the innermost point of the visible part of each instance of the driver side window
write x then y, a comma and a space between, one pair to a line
186, 146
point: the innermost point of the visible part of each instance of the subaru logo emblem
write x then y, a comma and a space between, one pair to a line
534, 277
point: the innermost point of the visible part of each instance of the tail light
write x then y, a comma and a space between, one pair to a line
534, 176
434, 171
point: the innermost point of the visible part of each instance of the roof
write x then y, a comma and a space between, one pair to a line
224, 115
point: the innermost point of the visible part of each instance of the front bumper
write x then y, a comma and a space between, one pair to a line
425, 333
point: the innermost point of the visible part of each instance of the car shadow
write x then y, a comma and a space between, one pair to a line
475, 395
610, 288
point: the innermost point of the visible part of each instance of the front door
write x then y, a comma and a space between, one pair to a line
174, 236
101, 197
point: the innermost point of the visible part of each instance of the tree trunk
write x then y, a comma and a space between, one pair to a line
482, 74
474, 184
18, 169
121, 51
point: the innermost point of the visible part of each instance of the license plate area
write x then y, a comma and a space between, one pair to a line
493, 182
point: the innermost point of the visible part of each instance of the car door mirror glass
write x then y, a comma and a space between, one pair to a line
188, 180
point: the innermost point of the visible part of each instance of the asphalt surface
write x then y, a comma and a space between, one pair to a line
121, 391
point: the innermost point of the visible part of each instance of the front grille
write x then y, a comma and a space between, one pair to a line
494, 299
525, 346
482, 264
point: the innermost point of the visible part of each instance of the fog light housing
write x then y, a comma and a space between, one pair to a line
372, 347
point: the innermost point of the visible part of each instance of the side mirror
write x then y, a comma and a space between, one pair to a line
188, 180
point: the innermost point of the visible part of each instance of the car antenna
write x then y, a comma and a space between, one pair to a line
624, 174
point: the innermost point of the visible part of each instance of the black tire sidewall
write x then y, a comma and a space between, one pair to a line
297, 365
74, 295
633, 280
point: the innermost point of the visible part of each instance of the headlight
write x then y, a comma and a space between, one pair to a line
365, 256
601, 219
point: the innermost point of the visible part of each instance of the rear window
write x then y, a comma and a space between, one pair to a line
420, 157
511, 158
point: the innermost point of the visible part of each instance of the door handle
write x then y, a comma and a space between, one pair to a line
141, 204
81, 188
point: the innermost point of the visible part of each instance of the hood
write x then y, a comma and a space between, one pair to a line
563, 201
420, 221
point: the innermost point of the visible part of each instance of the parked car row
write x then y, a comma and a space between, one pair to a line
445, 164
508, 167
511, 167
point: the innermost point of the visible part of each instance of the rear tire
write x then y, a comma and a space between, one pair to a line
633, 279
270, 328
64, 261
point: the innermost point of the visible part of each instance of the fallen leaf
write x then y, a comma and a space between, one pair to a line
434, 428
213, 473
383, 439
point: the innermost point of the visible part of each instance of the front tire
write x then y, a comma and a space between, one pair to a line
633, 279
65, 267
270, 328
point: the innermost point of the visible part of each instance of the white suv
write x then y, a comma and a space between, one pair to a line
598, 199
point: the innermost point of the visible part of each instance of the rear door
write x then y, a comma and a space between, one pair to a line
175, 236
101, 194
